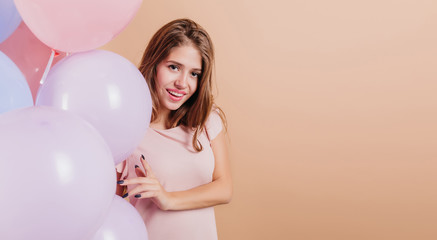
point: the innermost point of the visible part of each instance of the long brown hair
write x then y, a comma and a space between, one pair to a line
195, 111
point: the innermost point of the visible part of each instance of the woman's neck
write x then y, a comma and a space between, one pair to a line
161, 121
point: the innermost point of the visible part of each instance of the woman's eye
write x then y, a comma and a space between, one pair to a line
173, 67
194, 74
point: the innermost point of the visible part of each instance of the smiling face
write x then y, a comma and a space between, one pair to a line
177, 77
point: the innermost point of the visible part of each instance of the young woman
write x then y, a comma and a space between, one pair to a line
180, 170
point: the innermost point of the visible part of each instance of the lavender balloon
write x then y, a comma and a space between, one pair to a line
106, 90
9, 18
122, 222
58, 178
14, 91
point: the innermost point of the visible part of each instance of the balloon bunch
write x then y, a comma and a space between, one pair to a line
92, 109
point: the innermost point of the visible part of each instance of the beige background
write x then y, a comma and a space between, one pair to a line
332, 113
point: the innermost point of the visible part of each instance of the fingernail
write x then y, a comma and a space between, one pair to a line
125, 195
138, 195
136, 166
120, 182
142, 156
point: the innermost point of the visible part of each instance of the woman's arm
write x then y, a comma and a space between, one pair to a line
219, 191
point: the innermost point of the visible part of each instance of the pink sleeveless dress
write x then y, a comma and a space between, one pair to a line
178, 167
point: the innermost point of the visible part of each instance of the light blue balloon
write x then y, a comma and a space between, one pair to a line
14, 90
9, 18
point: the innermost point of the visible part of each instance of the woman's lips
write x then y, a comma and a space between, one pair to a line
175, 94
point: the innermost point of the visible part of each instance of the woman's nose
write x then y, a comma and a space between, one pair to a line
181, 81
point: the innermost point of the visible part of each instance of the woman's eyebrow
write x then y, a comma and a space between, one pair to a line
177, 63
180, 64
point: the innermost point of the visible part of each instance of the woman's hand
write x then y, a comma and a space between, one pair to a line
119, 169
148, 187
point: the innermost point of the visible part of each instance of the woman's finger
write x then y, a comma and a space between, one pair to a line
139, 171
149, 194
138, 180
146, 166
144, 188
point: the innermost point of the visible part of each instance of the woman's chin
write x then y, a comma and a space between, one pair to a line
173, 106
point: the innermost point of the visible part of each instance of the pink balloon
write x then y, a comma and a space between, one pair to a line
29, 54
57, 179
122, 222
76, 25
106, 90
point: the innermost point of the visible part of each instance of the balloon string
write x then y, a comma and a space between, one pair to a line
49, 64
